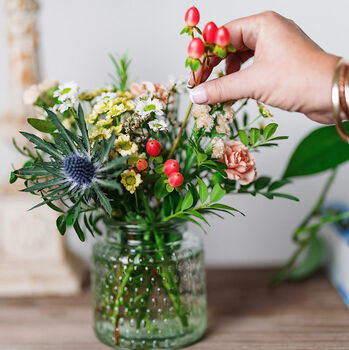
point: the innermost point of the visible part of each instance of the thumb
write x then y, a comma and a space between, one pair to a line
234, 86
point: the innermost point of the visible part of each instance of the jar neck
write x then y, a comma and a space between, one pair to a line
160, 234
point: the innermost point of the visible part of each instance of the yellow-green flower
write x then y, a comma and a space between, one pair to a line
124, 146
264, 111
131, 180
98, 133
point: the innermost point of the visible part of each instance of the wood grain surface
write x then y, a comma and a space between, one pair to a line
244, 314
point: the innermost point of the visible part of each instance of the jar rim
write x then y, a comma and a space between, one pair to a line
138, 227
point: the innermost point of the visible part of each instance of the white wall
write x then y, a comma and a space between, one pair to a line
77, 35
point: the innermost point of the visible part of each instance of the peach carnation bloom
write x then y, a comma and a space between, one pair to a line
240, 162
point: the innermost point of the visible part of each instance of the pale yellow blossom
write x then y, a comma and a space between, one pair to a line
124, 146
131, 180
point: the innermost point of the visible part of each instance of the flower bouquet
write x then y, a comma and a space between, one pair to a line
118, 162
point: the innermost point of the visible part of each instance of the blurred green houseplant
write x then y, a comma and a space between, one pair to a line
320, 151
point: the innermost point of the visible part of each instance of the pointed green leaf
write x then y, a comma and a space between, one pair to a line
42, 145
79, 231
286, 196
203, 190
261, 182
269, 130
61, 225
254, 135
243, 137
160, 190
277, 184
83, 128
61, 129
217, 193
13, 177
187, 201
42, 125
103, 200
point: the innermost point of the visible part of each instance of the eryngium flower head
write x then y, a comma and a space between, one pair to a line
79, 170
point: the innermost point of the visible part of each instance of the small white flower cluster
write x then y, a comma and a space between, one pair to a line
68, 95
180, 84
218, 148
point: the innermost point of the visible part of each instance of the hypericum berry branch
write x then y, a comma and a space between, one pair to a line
216, 42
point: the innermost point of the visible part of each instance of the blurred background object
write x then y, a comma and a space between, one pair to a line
34, 259
77, 36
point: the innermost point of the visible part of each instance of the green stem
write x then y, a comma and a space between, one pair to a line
318, 204
181, 130
242, 105
167, 277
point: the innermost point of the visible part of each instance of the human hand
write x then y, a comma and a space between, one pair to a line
289, 70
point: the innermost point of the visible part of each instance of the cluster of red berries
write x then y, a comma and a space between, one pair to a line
216, 40
171, 166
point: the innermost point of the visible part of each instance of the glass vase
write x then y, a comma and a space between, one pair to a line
148, 286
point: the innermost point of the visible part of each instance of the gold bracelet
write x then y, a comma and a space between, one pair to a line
342, 94
336, 106
346, 91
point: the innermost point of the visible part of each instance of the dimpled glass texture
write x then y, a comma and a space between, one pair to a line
149, 289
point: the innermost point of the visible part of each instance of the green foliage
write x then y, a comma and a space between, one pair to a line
42, 125
305, 266
319, 151
121, 65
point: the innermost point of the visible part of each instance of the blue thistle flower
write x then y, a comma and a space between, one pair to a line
79, 170
75, 174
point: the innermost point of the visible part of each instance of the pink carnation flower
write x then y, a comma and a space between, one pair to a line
240, 162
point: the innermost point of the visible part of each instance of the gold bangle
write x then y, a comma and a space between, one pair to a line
336, 107
342, 93
346, 90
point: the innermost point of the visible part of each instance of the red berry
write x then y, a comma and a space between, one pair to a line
175, 179
171, 166
209, 33
196, 48
192, 17
153, 148
142, 164
222, 36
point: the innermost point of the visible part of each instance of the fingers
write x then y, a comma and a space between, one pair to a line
233, 61
194, 77
244, 32
234, 86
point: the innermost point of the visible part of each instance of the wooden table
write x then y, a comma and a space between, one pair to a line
243, 314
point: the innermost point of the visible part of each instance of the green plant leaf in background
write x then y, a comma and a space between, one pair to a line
321, 150
310, 262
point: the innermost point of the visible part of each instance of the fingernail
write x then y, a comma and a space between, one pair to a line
198, 95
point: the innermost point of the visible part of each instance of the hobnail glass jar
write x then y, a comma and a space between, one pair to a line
148, 286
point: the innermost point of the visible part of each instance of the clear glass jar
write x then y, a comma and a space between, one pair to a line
148, 286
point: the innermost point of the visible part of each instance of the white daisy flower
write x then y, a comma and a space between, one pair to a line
67, 92
62, 107
146, 107
158, 125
